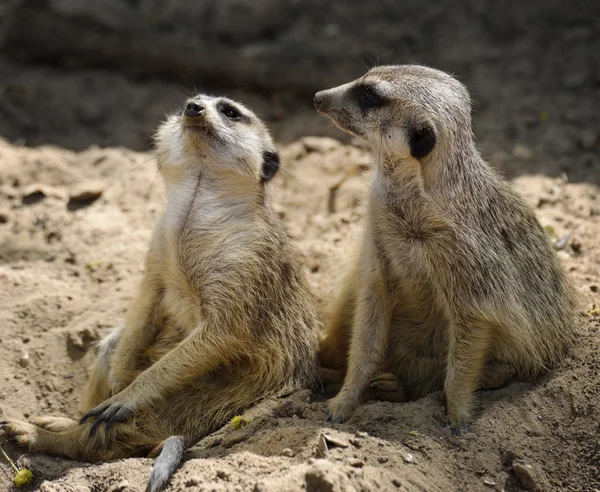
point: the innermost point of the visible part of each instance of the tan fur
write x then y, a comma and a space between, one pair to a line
223, 317
454, 268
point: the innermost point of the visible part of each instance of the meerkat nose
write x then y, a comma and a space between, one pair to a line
193, 110
318, 100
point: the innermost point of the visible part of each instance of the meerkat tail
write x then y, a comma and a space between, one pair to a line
166, 463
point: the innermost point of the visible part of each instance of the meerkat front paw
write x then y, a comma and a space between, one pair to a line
21, 433
341, 407
114, 410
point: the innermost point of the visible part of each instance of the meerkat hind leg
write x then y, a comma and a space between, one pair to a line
385, 386
53, 424
367, 349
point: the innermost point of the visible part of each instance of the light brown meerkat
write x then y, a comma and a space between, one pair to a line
454, 268
223, 318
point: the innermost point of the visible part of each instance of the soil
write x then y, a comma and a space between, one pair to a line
79, 195
74, 230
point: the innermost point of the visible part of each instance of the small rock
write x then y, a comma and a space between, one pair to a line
594, 288
356, 463
489, 482
361, 434
396, 483
333, 441
192, 482
382, 459
3, 217
522, 152
576, 246
408, 458
531, 477
24, 360
222, 474
288, 453
321, 449
355, 442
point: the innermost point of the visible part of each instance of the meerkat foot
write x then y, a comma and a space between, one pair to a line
21, 433
341, 407
459, 415
385, 386
53, 424
457, 429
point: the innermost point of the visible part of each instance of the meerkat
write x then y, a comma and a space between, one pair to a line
224, 316
454, 269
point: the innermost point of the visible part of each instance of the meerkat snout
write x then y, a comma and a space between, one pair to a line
193, 110
318, 100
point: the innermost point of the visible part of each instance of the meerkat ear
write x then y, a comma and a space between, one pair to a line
422, 141
270, 165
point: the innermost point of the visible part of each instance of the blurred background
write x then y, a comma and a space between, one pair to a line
76, 73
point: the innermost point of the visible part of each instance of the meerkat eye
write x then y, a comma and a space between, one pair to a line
230, 112
368, 98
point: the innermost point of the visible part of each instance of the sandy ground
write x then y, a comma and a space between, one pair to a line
73, 231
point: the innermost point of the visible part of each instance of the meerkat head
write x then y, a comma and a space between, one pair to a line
212, 135
405, 111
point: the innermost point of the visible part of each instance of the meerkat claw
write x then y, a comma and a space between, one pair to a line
459, 428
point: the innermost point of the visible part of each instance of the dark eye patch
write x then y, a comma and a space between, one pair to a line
367, 97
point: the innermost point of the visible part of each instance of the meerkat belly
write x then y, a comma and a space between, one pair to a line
418, 325
180, 315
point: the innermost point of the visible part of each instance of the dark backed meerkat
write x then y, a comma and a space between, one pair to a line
223, 318
454, 268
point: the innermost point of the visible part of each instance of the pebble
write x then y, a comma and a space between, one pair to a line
3, 217
408, 458
288, 453
531, 477
24, 360
192, 482
382, 459
222, 474
333, 441
356, 463
489, 482
362, 434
